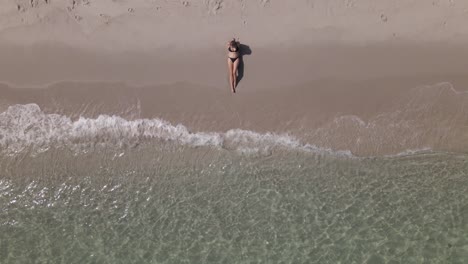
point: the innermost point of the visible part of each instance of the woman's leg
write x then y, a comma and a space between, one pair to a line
234, 71
230, 69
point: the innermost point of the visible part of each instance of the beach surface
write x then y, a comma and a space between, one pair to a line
369, 77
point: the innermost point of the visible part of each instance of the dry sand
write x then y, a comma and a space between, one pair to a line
310, 65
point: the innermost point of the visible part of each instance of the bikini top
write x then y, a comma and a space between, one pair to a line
230, 50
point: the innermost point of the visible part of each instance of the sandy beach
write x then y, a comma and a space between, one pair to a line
306, 64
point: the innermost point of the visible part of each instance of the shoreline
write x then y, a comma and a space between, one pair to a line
395, 117
121, 141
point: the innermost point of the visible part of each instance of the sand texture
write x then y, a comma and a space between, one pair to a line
146, 24
360, 75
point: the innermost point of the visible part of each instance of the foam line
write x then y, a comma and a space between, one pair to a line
27, 127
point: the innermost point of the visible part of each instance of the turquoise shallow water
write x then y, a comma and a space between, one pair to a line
167, 203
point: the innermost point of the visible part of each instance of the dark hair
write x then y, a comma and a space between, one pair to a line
233, 43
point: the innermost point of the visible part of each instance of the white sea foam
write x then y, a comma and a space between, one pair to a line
445, 86
27, 127
410, 152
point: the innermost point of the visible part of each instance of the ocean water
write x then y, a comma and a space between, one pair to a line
110, 189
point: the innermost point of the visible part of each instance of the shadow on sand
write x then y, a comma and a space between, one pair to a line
244, 50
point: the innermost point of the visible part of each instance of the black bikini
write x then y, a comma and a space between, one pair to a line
232, 59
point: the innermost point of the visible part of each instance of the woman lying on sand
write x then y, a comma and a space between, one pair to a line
233, 62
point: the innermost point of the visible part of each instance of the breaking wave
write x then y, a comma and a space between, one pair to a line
27, 127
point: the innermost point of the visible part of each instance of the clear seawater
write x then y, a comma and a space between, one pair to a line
163, 202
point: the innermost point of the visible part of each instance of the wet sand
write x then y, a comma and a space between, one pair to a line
375, 111
271, 67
